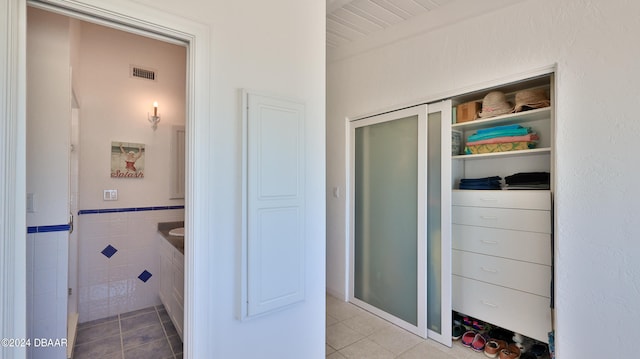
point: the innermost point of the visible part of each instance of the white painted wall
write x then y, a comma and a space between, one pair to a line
598, 274
275, 47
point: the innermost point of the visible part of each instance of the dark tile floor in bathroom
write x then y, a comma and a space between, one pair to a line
145, 333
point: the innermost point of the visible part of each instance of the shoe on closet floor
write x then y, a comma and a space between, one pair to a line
478, 343
493, 347
512, 352
468, 338
456, 332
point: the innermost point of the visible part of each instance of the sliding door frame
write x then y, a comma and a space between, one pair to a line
421, 112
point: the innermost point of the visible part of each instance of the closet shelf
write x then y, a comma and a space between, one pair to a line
508, 119
520, 153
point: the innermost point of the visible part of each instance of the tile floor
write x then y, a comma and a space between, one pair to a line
352, 333
355, 333
141, 334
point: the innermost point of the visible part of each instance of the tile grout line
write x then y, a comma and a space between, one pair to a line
121, 337
166, 336
368, 336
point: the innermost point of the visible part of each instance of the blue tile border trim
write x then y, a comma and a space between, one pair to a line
45, 229
130, 209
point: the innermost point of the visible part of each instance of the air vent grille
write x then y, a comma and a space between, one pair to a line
143, 73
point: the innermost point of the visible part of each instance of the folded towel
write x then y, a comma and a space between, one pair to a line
481, 186
541, 186
528, 178
499, 147
530, 137
482, 180
493, 182
499, 133
498, 128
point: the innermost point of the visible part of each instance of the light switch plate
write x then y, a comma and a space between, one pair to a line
31, 202
110, 195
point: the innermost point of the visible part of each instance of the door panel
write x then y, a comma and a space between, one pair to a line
388, 239
386, 217
439, 222
275, 204
400, 237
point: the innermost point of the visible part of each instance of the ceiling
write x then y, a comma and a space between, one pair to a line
355, 26
352, 20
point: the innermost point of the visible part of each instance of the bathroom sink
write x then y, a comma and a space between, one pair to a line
177, 232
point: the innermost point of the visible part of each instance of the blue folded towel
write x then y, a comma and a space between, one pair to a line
492, 182
500, 131
505, 127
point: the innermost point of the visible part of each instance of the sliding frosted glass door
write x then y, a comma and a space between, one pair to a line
388, 208
439, 222
400, 218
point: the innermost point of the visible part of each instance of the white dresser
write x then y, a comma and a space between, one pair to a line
501, 258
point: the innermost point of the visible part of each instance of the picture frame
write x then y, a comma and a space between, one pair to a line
127, 159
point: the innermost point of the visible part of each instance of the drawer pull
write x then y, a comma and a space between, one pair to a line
489, 304
489, 218
485, 241
490, 270
487, 199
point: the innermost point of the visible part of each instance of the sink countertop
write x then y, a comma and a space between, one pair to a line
176, 241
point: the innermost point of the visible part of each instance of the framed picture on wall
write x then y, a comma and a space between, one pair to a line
127, 160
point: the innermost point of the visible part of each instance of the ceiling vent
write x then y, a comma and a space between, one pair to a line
141, 73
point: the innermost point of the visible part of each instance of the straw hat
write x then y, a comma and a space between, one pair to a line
494, 104
529, 99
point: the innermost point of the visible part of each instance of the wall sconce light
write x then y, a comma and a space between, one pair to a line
155, 118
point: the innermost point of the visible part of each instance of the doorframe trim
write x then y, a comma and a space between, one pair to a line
129, 15
13, 221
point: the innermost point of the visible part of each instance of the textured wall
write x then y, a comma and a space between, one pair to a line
598, 279
274, 47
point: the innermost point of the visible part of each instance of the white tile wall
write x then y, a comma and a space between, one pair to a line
47, 261
109, 286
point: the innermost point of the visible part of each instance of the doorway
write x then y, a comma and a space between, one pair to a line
187, 34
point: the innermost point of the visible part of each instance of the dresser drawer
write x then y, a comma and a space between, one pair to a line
502, 199
525, 246
525, 313
516, 219
524, 276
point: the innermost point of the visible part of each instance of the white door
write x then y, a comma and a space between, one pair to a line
439, 222
274, 206
400, 259
388, 238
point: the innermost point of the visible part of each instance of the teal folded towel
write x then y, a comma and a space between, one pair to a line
499, 131
505, 127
